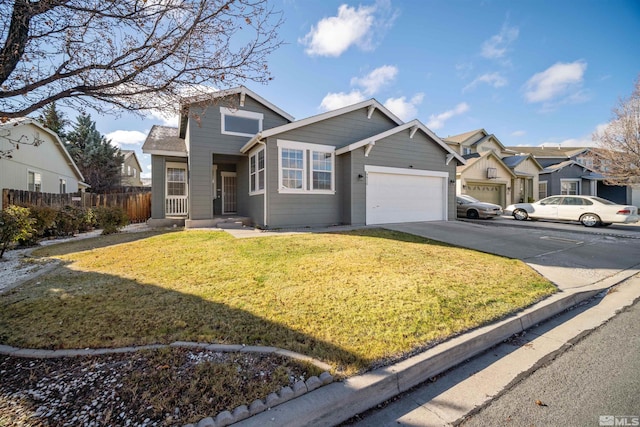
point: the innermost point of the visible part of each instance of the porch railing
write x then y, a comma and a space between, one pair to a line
175, 205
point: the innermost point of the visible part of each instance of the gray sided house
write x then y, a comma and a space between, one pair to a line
239, 155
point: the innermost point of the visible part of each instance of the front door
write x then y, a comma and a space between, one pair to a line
229, 201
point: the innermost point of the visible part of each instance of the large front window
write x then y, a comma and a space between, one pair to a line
256, 171
305, 168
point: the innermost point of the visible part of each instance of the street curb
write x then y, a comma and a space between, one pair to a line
340, 401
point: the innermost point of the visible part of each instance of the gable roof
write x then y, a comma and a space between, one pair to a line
240, 90
474, 160
413, 126
25, 121
558, 166
460, 138
371, 105
130, 153
164, 141
514, 161
550, 152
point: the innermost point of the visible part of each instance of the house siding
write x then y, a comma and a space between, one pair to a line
398, 151
46, 159
206, 143
158, 183
291, 210
554, 180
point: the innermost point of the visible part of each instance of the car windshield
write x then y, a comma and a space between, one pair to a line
468, 199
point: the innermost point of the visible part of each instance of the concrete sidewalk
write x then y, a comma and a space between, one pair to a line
455, 399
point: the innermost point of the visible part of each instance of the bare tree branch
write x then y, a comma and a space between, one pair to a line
137, 54
618, 155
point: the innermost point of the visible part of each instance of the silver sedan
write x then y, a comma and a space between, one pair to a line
468, 207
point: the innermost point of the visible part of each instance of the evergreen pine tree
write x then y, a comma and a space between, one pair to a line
98, 160
54, 119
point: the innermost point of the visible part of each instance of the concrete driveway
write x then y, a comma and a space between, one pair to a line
570, 257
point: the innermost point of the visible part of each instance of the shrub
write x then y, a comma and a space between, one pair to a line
44, 221
87, 219
15, 224
67, 221
111, 219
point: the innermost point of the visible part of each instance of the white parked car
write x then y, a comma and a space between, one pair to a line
589, 210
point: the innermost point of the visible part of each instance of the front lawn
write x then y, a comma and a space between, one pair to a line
350, 299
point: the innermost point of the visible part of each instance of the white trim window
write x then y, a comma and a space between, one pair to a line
542, 190
63, 185
569, 187
306, 168
257, 171
34, 181
176, 179
240, 122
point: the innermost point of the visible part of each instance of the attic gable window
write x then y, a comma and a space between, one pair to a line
240, 122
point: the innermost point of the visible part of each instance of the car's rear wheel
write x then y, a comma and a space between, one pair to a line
472, 214
590, 220
520, 214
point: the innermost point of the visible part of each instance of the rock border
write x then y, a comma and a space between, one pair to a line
224, 418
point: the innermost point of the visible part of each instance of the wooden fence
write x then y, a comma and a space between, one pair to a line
136, 205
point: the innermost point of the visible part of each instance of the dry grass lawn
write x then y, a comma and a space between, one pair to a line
352, 299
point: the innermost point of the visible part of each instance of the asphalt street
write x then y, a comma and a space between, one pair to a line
598, 377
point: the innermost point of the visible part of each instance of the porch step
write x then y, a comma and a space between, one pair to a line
231, 225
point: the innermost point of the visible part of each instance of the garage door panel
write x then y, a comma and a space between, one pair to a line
393, 197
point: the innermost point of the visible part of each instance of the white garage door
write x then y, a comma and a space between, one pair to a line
405, 195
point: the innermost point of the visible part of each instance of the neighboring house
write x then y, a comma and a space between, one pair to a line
571, 170
238, 154
493, 172
131, 169
44, 167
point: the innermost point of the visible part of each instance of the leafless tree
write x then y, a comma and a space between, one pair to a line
618, 153
134, 55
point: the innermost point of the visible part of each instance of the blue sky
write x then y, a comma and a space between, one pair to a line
530, 72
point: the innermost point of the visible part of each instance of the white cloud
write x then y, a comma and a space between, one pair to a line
497, 46
492, 79
166, 119
334, 101
334, 35
372, 82
404, 109
438, 121
561, 79
126, 137
518, 133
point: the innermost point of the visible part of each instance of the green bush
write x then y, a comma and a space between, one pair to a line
67, 221
87, 219
15, 224
111, 219
44, 223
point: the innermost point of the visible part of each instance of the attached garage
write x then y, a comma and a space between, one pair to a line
487, 192
405, 195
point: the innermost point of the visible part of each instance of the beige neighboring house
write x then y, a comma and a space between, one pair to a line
37, 160
494, 173
131, 170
